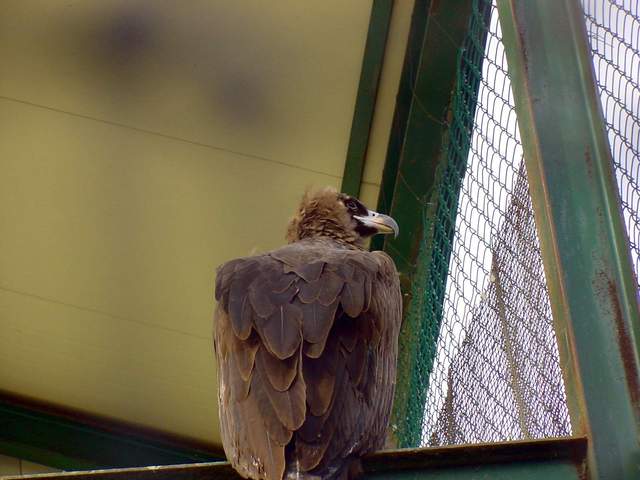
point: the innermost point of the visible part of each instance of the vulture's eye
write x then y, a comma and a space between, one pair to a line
351, 205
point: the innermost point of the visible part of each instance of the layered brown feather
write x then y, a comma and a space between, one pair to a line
306, 343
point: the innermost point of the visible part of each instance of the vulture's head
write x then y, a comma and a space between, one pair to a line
328, 213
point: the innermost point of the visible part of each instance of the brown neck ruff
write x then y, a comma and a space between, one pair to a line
322, 215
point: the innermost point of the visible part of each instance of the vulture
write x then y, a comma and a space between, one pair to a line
306, 340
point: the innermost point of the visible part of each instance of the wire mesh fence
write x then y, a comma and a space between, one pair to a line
485, 366
613, 29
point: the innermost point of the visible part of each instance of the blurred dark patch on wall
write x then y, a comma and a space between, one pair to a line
127, 35
275, 80
215, 61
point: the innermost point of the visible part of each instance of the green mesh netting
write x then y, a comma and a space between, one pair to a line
479, 360
613, 29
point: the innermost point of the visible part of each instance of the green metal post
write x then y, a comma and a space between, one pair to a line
582, 235
416, 152
551, 459
427, 299
420, 123
366, 97
71, 440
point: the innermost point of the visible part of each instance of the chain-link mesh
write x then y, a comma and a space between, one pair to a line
613, 29
485, 365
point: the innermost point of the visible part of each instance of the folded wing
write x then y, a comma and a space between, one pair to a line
306, 343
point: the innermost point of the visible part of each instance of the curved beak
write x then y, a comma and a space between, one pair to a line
381, 222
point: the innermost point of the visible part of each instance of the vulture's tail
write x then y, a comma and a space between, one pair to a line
347, 469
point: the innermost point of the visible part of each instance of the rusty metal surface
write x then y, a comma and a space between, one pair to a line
583, 240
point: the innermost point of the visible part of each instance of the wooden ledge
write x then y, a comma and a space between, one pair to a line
570, 450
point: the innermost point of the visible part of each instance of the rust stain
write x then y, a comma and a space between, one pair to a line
582, 424
582, 470
521, 32
588, 162
525, 56
627, 350
626, 347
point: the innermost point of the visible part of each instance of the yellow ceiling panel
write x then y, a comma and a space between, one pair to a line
264, 78
131, 224
107, 266
116, 367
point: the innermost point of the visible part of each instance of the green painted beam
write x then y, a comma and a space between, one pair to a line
559, 458
424, 315
366, 96
535, 470
583, 239
403, 108
72, 441
421, 122
416, 156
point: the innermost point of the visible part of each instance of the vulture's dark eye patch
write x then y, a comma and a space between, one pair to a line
354, 206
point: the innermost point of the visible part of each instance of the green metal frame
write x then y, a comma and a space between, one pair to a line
420, 123
586, 253
416, 157
550, 459
439, 221
69, 440
366, 97
584, 244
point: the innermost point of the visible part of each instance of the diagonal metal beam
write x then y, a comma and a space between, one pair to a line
583, 240
434, 84
366, 97
67, 439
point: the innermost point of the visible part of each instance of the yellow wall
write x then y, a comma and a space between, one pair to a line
142, 143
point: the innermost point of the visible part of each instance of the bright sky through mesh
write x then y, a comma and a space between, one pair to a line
482, 386
613, 29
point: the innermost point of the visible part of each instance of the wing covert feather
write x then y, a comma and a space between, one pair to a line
280, 373
306, 342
